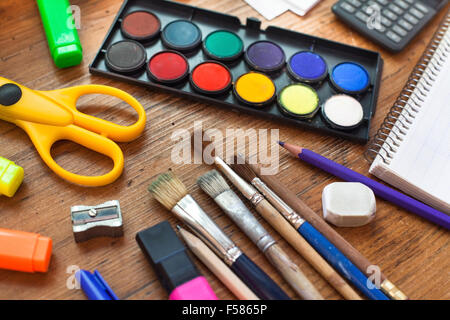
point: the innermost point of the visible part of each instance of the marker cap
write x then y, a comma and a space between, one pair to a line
174, 268
67, 55
94, 286
24, 251
62, 36
11, 177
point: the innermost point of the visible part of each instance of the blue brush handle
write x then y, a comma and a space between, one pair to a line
339, 261
257, 280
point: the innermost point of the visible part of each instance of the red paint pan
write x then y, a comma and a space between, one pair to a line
167, 67
211, 77
141, 26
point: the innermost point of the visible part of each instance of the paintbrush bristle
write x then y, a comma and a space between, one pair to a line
213, 183
168, 189
244, 170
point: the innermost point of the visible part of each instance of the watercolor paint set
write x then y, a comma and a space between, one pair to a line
287, 76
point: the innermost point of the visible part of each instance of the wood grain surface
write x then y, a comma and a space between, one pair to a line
412, 252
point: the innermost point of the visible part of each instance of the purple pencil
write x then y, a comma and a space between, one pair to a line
379, 189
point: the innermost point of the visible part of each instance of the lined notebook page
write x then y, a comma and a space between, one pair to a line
420, 166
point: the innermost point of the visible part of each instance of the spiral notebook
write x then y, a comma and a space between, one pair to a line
411, 150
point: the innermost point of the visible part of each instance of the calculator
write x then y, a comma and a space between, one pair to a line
390, 23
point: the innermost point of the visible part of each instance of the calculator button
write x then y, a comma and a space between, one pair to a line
405, 24
395, 9
410, 1
402, 4
386, 21
354, 3
347, 7
421, 7
380, 28
390, 14
369, 10
399, 30
361, 16
383, 2
416, 13
410, 18
393, 36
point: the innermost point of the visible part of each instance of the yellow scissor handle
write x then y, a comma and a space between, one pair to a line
68, 97
50, 116
43, 137
30, 105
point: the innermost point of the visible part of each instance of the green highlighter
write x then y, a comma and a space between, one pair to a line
62, 36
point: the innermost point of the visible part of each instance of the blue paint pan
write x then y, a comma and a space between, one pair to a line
181, 35
350, 78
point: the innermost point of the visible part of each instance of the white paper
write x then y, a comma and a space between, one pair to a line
271, 9
420, 166
301, 7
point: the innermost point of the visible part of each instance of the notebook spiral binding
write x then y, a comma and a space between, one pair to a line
413, 94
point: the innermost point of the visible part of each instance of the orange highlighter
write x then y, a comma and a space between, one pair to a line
24, 251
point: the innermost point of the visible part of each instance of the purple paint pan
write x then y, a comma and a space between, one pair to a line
265, 56
306, 66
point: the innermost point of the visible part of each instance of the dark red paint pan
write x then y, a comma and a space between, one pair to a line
211, 77
141, 26
167, 67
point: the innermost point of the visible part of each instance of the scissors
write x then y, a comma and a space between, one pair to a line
50, 116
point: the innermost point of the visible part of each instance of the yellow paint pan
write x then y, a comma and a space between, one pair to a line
298, 100
255, 89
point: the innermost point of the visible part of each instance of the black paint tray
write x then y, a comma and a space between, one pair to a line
290, 41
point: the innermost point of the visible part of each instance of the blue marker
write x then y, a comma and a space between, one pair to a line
94, 286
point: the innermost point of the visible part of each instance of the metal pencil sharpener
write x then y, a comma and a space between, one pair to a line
104, 220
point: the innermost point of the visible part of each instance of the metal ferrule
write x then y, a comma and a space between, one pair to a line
188, 210
392, 291
256, 199
278, 203
233, 206
245, 188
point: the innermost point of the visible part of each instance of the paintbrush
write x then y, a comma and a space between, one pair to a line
334, 237
172, 194
303, 228
216, 266
218, 189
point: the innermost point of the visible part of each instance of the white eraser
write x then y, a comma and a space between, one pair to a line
348, 204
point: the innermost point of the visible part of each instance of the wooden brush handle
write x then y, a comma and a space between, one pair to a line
309, 215
218, 267
284, 228
339, 261
292, 273
274, 218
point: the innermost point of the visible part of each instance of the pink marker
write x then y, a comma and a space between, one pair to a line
175, 270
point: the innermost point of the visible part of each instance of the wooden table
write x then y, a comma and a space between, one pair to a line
411, 251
